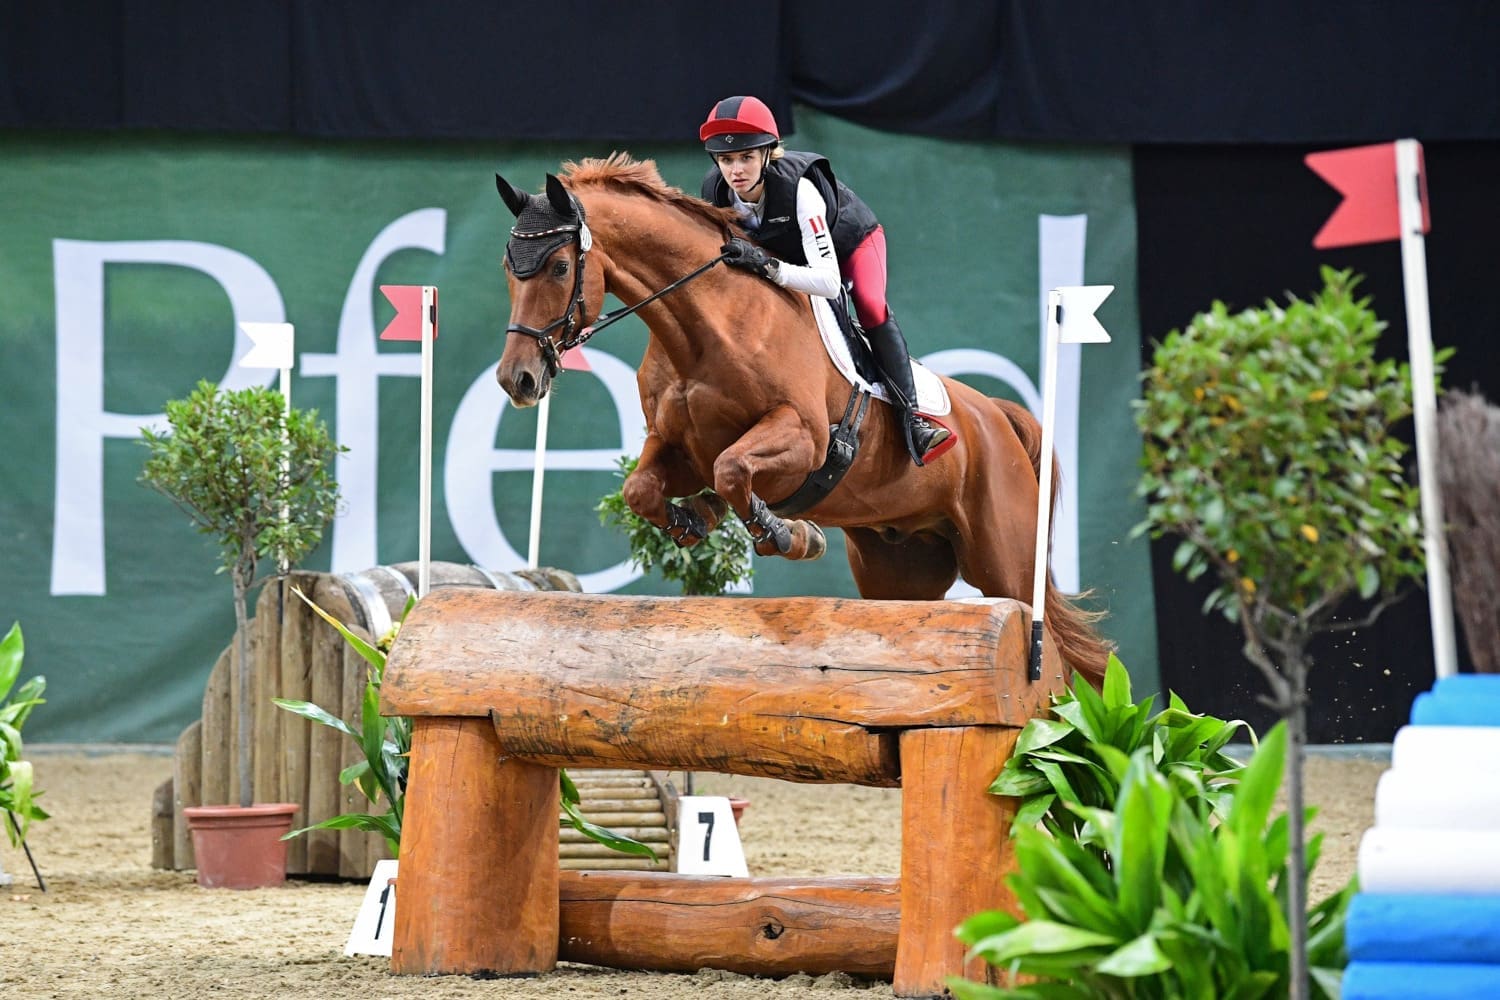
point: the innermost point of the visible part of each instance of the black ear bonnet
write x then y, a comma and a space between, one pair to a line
540, 230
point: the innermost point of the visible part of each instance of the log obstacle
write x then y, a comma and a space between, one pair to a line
505, 688
1426, 921
294, 654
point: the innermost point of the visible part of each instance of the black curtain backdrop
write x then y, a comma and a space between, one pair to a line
1219, 100
1236, 224
1171, 71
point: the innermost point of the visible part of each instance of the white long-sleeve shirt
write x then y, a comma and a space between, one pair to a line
821, 274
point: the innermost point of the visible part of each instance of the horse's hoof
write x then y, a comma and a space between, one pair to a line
685, 526
817, 542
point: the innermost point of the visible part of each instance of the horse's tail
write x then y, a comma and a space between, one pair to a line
1072, 626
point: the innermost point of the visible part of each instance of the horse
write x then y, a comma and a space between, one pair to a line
740, 396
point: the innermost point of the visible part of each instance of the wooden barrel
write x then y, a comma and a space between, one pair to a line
294, 654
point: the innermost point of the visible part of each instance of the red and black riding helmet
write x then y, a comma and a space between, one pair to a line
737, 123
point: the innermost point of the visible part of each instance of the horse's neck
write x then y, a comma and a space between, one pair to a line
650, 246
702, 327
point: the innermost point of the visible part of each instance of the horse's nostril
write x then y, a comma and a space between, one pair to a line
525, 385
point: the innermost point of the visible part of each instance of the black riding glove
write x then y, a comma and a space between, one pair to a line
741, 253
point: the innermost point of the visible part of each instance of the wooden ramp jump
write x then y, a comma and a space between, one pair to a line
505, 688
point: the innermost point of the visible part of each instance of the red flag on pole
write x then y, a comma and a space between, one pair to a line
407, 324
1366, 177
574, 361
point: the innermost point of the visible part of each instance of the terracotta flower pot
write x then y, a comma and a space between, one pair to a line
240, 847
737, 806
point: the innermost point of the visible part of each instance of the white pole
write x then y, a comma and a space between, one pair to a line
424, 485
282, 564
1044, 479
1424, 403
533, 549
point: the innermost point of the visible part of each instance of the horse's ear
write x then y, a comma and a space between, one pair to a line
514, 200
558, 196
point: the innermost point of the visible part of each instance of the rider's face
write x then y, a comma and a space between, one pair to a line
742, 170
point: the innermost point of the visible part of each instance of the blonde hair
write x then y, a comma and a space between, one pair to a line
778, 151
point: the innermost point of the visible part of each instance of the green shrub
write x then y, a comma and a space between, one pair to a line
1148, 863
706, 569
1065, 766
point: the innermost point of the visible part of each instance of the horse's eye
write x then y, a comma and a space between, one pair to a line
559, 268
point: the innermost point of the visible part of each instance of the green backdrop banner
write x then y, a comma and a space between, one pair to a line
127, 261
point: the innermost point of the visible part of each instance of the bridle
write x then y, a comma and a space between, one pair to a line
573, 336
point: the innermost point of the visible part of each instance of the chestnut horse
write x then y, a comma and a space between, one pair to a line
739, 395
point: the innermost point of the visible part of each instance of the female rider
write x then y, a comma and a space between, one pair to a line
818, 232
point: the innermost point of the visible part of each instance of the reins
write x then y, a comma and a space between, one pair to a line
620, 314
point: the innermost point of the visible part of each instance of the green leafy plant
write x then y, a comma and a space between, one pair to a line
1064, 766
18, 792
1269, 450
1187, 898
384, 740
708, 568
257, 479
386, 744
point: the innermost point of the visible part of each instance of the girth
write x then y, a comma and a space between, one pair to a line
843, 446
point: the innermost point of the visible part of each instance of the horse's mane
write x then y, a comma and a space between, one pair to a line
622, 172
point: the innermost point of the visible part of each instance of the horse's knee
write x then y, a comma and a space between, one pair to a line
643, 495
732, 479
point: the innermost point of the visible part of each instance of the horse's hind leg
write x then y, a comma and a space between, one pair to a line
920, 568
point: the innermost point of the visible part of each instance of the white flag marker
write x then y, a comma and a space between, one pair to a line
1070, 320
272, 346
1409, 182
424, 475
572, 360
538, 474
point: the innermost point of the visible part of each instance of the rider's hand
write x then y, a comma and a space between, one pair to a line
741, 253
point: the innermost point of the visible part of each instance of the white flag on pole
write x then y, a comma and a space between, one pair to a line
270, 345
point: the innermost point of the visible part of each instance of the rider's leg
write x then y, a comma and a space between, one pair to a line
865, 267
895, 362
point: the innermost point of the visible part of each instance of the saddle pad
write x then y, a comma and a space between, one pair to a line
932, 395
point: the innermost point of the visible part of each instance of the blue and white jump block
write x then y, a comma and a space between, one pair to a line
1426, 921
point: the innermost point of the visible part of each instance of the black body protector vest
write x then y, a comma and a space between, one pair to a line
849, 218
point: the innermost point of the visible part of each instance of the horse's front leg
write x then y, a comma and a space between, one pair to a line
778, 445
661, 473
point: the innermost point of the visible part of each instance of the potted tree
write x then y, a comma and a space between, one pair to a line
254, 476
1270, 451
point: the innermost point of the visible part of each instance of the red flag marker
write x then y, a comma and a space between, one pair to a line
1366, 177
407, 324
574, 361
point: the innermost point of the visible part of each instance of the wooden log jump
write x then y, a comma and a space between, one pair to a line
505, 688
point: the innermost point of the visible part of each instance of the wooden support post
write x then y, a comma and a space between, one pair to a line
187, 790
955, 850
479, 884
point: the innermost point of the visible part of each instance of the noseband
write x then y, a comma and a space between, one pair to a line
577, 233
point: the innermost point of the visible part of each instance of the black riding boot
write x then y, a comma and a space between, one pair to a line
895, 364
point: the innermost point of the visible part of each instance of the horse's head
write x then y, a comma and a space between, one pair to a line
550, 287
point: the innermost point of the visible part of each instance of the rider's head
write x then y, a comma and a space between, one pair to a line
740, 133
